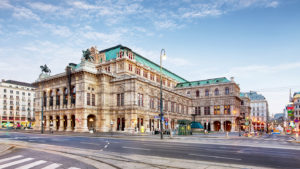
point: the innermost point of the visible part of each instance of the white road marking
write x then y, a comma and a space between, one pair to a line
52, 166
32, 164
74, 168
105, 146
237, 159
10, 158
136, 148
15, 163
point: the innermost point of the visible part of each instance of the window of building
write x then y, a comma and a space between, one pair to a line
197, 93
172, 106
4, 90
182, 109
206, 92
151, 103
17, 92
140, 99
169, 84
198, 110
216, 92
51, 98
166, 106
187, 110
28, 93
177, 108
23, 93
227, 109
73, 95
164, 82
138, 71
145, 74
158, 104
207, 110
216, 110
65, 99
130, 67
11, 91
242, 102
120, 99
88, 99
93, 100
152, 76
227, 91
57, 97
157, 78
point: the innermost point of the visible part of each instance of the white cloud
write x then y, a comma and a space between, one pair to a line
62, 31
5, 4
24, 13
43, 7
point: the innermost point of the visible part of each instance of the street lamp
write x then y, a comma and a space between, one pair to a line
42, 111
162, 56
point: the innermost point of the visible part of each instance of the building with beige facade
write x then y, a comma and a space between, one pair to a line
16, 103
118, 90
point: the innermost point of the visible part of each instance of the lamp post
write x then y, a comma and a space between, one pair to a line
162, 55
42, 112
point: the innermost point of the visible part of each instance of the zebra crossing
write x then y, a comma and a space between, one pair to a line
21, 162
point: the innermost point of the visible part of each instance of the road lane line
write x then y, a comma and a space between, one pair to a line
52, 166
237, 159
74, 168
10, 158
136, 148
15, 163
30, 165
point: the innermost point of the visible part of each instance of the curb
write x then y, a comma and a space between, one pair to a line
4, 148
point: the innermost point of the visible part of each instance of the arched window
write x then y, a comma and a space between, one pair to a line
197, 93
206, 92
227, 91
216, 92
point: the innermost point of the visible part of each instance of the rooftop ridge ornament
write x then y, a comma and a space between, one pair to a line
86, 55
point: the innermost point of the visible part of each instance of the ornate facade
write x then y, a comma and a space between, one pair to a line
117, 89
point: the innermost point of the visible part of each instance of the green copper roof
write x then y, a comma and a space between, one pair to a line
111, 53
203, 82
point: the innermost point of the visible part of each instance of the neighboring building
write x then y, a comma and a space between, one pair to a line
16, 102
117, 89
245, 112
216, 102
259, 110
296, 103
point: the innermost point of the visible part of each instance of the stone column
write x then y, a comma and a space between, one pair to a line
233, 125
69, 128
222, 109
61, 123
211, 110
54, 122
129, 122
47, 120
37, 121
212, 126
222, 125
146, 124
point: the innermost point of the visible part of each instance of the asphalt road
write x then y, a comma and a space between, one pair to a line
22, 158
233, 154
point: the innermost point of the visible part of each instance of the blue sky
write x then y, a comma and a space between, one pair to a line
255, 41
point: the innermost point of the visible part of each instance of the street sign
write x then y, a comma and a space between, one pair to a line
163, 119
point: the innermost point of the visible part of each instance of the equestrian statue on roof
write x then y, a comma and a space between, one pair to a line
86, 55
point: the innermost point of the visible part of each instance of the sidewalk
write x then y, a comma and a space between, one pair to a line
4, 148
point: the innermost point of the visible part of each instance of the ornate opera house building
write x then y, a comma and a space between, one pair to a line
117, 89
